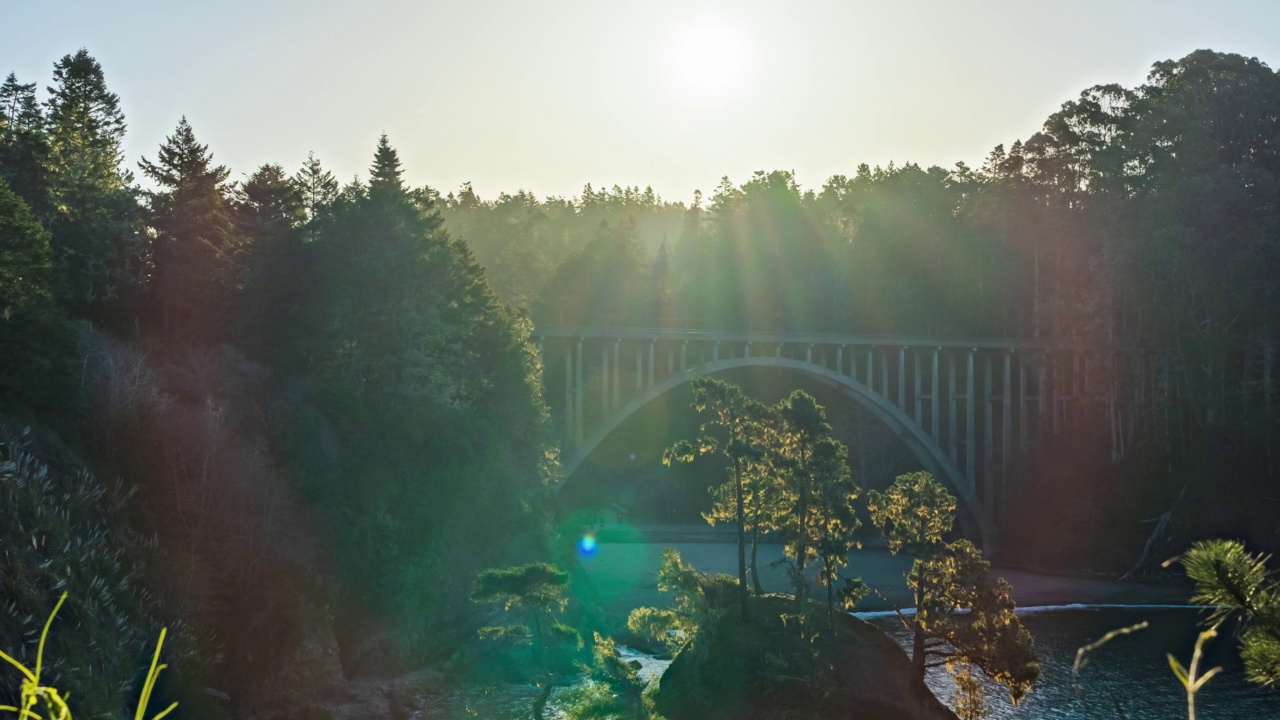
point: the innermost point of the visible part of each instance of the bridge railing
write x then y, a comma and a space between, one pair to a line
794, 338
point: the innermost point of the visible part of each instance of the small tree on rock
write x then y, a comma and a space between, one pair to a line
913, 516
537, 589
735, 414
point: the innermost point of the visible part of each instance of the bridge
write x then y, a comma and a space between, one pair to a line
965, 407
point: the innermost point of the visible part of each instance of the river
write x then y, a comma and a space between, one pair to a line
1128, 678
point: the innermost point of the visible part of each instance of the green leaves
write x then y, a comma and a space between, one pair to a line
1191, 678
1231, 581
677, 626
913, 514
538, 587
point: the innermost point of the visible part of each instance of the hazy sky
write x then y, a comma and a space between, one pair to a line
553, 94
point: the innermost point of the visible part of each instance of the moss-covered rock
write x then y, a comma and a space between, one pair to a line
763, 668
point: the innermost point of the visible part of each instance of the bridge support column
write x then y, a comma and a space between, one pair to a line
933, 398
917, 395
577, 399
840, 360
988, 439
1022, 404
746, 350
617, 348
1006, 429
902, 380
971, 438
568, 391
871, 377
652, 346
1040, 373
605, 394
884, 375
639, 370
684, 352
953, 430
808, 353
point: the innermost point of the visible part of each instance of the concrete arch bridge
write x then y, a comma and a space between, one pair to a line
965, 407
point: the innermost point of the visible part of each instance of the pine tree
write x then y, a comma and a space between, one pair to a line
94, 220
34, 342
737, 416
962, 613
24, 147
386, 176
195, 241
272, 268
318, 190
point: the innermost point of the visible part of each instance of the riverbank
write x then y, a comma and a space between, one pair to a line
624, 575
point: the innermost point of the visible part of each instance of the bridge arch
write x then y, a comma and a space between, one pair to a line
925, 449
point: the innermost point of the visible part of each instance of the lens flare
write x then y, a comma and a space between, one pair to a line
587, 545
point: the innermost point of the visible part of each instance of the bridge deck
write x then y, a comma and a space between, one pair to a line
792, 338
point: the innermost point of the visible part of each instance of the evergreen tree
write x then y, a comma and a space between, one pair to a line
195, 239
34, 342
270, 213
539, 590
24, 147
94, 219
804, 430
318, 190
736, 416
386, 177
913, 516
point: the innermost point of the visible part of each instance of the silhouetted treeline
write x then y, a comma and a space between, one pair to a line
331, 421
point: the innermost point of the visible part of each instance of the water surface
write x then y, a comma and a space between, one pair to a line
1127, 678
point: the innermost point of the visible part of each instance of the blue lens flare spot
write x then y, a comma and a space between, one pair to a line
587, 545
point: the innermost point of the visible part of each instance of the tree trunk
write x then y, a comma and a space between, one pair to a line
755, 571
917, 642
540, 702
742, 539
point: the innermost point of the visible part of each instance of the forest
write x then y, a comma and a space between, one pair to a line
293, 419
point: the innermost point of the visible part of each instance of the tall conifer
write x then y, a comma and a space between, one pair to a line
94, 208
195, 240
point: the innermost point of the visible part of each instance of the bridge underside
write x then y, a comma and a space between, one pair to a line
965, 408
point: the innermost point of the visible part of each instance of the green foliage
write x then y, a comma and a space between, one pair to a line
914, 514
94, 211
737, 417
66, 530
538, 588
55, 703
34, 339
614, 690
195, 239
970, 704
1231, 581
946, 578
24, 145
691, 609
1191, 678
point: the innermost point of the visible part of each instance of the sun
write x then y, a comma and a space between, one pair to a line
709, 61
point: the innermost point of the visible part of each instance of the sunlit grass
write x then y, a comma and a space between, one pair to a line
35, 696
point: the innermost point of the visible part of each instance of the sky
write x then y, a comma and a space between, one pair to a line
550, 95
